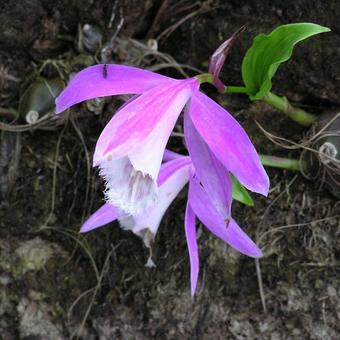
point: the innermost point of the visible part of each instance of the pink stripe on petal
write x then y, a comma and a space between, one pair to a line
104, 215
229, 142
226, 230
209, 170
147, 156
190, 233
94, 82
142, 128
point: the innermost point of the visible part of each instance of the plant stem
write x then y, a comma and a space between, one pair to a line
281, 163
282, 104
235, 89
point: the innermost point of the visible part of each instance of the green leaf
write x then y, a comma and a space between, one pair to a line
240, 193
267, 53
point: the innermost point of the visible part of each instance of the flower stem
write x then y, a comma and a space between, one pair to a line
281, 163
205, 78
282, 104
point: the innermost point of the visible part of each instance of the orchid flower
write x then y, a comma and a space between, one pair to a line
129, 151
209, 199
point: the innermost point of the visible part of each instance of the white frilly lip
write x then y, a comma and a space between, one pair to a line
128, 189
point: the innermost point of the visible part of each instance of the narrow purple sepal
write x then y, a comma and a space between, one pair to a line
104, 215
190, 234
229, 142
209, 170
107, 80
225, 229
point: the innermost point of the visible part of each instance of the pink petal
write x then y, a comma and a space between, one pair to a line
92, 83
175, 179
141, 129
170, 155
240, 241
104, 215
229, 142
170, 167
209, 170
190, 233
226, 230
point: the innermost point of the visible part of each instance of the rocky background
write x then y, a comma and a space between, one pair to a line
57, 284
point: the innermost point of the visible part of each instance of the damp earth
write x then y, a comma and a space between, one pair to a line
58, 284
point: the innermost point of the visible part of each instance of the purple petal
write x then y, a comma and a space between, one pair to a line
240, 241
209, 170
170, 155
190, 234
226, 230
104, 215
229, 142
144, 125
170, 167
94, 82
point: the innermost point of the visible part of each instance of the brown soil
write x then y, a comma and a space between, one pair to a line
55, 284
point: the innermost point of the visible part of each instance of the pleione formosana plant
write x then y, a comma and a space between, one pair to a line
143, 177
